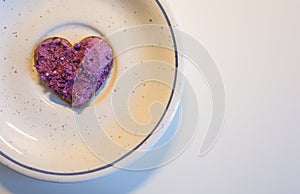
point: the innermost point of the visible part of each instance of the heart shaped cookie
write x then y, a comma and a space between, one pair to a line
75, 72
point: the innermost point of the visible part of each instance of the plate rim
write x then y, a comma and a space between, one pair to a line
45, 175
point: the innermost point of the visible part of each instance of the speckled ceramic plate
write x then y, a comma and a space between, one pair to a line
43, 137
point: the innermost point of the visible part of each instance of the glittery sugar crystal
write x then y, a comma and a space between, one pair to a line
76, 72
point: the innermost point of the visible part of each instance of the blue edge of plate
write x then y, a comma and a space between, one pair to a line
155, 128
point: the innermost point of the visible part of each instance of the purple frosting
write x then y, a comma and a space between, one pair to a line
74, 73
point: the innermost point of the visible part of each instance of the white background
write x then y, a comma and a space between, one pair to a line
256, 45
